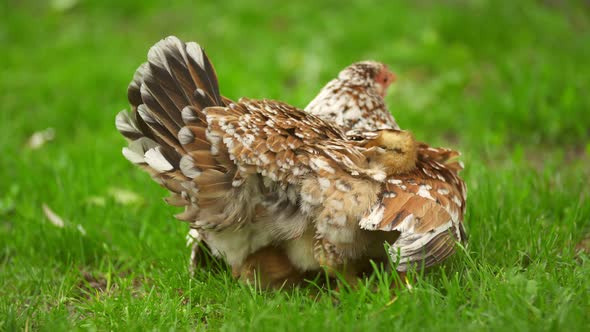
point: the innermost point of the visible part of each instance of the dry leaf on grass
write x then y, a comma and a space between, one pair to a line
63, 5
39, 138
52, 216
124, 196
96, 201
81, 229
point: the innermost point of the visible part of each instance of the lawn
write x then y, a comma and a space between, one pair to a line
505, 82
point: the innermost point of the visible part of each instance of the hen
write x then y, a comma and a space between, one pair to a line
262, 180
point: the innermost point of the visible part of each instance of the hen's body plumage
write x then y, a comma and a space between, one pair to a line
261, 180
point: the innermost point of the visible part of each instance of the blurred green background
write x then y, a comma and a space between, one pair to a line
505, 82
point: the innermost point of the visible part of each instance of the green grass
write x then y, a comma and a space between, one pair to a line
506, 82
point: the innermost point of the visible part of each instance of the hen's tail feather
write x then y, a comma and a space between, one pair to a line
193, 138
128, 125
133, 90
167, 127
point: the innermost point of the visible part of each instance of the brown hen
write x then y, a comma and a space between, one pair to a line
262, 181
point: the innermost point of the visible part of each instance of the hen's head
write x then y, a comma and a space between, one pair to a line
370, 74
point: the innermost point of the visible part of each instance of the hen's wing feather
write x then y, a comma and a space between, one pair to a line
426, 206
282, 142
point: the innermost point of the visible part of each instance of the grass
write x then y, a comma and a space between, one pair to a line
505, 82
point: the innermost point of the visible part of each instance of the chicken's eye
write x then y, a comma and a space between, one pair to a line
391, 149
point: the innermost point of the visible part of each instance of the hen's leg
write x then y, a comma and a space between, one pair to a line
331, 260
200, 253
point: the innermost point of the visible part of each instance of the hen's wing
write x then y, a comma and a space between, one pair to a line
284, 143
426, 206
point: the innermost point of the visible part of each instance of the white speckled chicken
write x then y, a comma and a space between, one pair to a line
281, 192
354, 100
